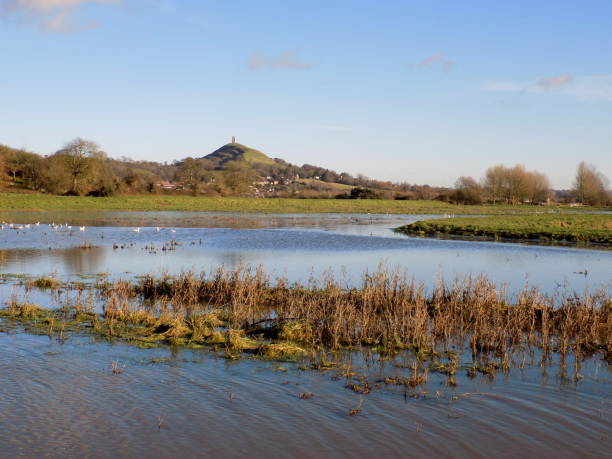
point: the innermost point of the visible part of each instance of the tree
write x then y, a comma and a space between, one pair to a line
515, 185
55, 177
363, 193
190, 174
538, 187
467, 191
79, 156
238, 177
494, 182
102, 180
590, 185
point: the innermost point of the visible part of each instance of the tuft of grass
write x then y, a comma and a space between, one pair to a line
281, 352
44, 283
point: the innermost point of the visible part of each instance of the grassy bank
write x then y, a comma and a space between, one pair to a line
243, 313
34, 202
593, 228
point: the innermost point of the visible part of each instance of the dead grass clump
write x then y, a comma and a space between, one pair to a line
44, 283
26, 311
296, 331
236, 342
281, 352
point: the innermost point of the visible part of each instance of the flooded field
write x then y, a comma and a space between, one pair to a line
84, 395
291, 246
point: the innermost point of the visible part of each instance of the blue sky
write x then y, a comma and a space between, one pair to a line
414, 91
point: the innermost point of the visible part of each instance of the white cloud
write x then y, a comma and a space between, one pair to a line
51, 15
583, 88
287, 60
555, 81
436, 59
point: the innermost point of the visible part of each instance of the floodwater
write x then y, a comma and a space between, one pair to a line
61, 399
291, 246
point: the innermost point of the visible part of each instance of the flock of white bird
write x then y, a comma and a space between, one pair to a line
60, 227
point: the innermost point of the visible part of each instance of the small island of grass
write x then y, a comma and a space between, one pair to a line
559, 228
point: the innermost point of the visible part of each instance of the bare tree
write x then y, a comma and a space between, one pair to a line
538, 187
590, 185
516, 184
467, 191
79, 156
494, 183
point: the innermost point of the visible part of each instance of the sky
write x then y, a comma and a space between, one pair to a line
409, 91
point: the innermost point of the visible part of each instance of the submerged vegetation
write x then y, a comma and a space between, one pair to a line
245, 313
594, 228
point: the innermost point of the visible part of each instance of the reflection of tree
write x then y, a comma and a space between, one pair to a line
75, 260
4, 257
80, 261
22, 256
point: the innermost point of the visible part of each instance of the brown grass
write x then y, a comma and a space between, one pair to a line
388, 311
244, 311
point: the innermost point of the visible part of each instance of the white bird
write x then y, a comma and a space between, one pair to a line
173, 231
157, 228
81, 228
136, 230
37, 223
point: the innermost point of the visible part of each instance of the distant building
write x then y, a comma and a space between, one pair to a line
165, 185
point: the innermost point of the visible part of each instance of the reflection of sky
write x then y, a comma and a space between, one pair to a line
298, 247
296, 254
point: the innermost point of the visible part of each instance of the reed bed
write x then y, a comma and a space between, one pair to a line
244, 310
388, 310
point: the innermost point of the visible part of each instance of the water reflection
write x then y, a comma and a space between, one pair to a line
63, 398
290, 246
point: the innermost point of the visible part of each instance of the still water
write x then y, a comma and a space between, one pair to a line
61, 399
291, 246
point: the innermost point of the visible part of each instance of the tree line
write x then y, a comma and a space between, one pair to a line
517, 185
81, 167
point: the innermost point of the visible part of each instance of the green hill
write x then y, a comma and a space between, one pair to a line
237, 152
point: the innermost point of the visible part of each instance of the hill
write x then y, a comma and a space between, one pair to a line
237, 152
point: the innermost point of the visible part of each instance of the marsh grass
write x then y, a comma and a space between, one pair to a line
246, 314
44, 283
543, 228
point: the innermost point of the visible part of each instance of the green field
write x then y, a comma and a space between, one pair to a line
19, 201
596, 228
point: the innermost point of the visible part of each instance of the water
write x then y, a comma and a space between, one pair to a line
292, 246
62, 399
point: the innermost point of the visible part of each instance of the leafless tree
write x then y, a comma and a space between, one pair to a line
590, 185
79, 155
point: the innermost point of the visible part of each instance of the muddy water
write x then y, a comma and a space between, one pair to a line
61, 399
